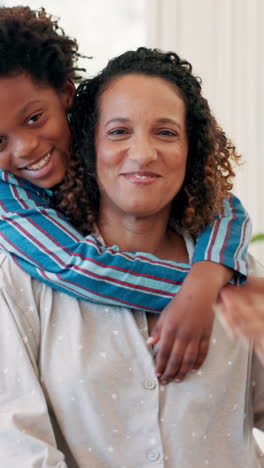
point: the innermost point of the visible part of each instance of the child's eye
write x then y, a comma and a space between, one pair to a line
2, 142
34, 118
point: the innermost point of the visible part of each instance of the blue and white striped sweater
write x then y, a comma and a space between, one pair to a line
43, 243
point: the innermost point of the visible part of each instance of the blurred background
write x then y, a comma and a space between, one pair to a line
223, 40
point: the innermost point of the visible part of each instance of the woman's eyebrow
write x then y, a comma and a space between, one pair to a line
116, 119
166, 120
163, 120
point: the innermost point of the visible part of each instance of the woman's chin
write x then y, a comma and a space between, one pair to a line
138, 208
144, 212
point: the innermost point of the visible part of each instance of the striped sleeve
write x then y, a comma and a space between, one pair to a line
226, 240
46, 246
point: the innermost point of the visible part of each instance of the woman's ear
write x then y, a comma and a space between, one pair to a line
68, 93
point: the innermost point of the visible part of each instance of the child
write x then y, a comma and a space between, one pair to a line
35, 143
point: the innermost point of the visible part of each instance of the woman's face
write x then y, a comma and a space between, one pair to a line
34, 131
141, 145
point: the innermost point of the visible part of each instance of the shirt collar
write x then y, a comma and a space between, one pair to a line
20, 182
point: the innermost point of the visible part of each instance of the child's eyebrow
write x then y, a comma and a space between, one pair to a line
28, 105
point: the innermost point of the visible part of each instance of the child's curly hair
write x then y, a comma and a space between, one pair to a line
209, 170
32, 42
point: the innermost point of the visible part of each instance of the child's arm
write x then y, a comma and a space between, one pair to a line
185, 325
46, 246
226, 242
83, 268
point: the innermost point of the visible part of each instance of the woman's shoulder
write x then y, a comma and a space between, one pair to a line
11, 275
19, 302
255, 267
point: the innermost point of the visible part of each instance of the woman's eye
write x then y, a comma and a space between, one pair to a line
117, 131
167, 132
33, 119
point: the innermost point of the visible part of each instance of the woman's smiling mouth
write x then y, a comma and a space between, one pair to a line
141, 177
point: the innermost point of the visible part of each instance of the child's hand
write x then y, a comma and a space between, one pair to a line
184, 327
242, 309
184, 330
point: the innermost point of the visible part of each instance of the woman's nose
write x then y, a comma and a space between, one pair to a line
142, 151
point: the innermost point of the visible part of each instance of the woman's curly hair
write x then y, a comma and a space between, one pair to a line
32, 42
209, 170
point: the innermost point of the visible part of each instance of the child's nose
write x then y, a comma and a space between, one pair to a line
24, 145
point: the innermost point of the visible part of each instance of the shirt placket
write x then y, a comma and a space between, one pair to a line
153, 451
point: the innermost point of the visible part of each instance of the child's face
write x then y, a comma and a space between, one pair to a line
34, 130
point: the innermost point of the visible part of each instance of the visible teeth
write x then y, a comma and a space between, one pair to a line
140, 176
40, 163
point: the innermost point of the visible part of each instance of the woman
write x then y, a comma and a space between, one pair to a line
102, 400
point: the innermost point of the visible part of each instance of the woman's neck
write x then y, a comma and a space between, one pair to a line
147, 234
131, 233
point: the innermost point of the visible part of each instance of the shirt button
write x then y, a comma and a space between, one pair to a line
153, 455
150, 384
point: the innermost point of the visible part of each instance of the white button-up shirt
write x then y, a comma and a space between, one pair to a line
78, 389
